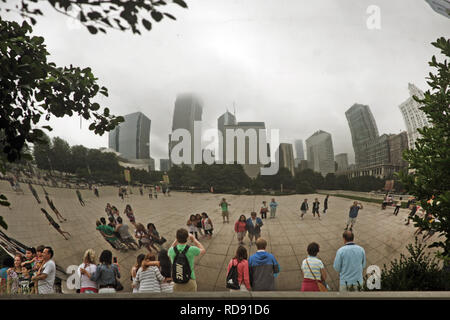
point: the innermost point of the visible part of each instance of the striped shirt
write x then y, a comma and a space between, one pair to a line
149, 280
315, 265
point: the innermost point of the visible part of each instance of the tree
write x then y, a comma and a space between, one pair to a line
99, 15
32, 88
429, 160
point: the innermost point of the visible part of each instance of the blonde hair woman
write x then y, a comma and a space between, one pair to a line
86, 284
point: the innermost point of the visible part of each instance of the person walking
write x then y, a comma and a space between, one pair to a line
52, 206
263, 268
304, 208
263, 210
106, 273
80, 199
353, 214
224, 206
412, 213
350, 262
313, 269
253, 227
166, 270
398, 204
241, 263
178, 248
273, 208
315, 208
54, 224
46, 275
240, 227
86, 284
325, 204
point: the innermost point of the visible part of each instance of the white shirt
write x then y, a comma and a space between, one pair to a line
46, 286
85, 282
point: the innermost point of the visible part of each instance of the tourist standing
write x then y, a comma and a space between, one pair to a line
207, 225
106, 273
241, 263
176, 251
313, 269
273, 208
134, 270
254, 225
263, 268
304, 208
46, 275
148, 278
192, 225
130, 214
325, 204
166, 270
263, 210
350, 262
86, 284
353, 214
224, 206
240, 227
13, 274
412, 213
198, 219
315, 208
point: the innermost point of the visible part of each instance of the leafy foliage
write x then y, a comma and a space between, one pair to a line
100, 15
429, 161
417, 272
32, 88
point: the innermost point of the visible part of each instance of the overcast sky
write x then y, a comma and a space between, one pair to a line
296, 65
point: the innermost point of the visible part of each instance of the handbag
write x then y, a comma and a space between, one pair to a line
320, 285
118, 286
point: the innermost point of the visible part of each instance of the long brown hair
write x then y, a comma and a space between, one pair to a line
241, 254
150, 257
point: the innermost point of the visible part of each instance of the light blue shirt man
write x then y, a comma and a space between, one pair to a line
350, 262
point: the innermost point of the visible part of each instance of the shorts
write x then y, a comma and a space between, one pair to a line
351, 221
225, 213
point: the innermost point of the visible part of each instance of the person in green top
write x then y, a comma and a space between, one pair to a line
224, 205
197, 249
108, 233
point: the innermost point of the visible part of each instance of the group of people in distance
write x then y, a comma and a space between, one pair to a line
304, 207
200, 224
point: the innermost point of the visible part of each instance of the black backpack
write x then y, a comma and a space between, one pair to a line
181, 270
232, 278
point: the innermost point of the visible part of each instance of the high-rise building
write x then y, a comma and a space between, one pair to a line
440, 6
320, 154
246, 145
188, 109
414, 117
131, 138
299, 153
342, 161
397, 144
164, 165
363, 129
286, 157
227, 119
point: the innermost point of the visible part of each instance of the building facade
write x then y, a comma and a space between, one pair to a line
414, 117
286, 157
364, 131
320, 154
188, 109
227, 119
342, 161
131, 138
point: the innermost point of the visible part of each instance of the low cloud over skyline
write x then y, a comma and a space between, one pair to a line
296, 65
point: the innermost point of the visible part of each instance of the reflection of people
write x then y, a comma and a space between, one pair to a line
80, 198
54, 224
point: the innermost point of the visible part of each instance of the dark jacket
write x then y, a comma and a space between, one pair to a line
263, 268
304, 206
254, 229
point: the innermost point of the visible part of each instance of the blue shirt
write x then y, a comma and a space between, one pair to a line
349, 263
354, 211
273, 205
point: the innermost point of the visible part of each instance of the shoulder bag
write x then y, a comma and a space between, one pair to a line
320, 285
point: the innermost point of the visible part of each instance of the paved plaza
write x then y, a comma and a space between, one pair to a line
381, 234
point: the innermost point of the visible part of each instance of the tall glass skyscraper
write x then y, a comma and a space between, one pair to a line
188, 109
320, 153
299, 153
227, 119
413, 116
363, 129
132, 137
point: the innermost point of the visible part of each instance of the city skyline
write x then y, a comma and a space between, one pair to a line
272, 62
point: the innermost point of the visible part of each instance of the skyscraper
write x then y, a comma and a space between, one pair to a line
320, 154
342, 161
299, 153
188, 109
286, 157
227, 119
414, 117
131, 138
363, 129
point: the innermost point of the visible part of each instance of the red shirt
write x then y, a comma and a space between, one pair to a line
240, 226
243, 273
